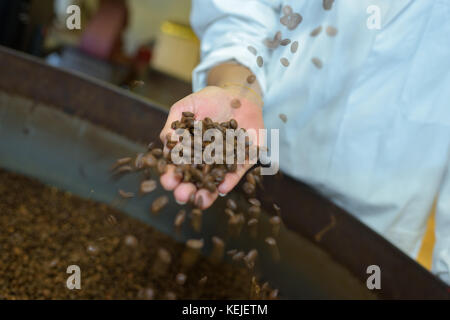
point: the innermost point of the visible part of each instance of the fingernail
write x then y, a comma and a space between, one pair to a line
180, 202
222, 194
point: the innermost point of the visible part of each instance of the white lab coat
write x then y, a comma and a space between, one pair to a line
371, 129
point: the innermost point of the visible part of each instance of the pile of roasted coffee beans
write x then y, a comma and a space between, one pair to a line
45, 230
245, 217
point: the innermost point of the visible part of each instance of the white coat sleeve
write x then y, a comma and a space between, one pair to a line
226, 28
441, 253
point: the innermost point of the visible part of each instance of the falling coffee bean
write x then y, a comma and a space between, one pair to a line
159, 203
273, 248
235, 103
92, 249
121, 162
285, 42
275, 222
331, 31
179, 219
294, 47
148, 186
196, 219
317, 63
252, 50
284, 62
218, 250
253, 228
192, 252
231, 204
250, 258
203, 280
283, 117
294, 20
238, 256
327, 4
316, 31
251, 79
146, 294
180, 279
287, 10
130, 241
254, 202
260, 61
125, 194
162, 262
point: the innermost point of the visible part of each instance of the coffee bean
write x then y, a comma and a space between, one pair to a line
274, 294
171, 295
260, 61
294, 20
327, 4
121, 162
254, 202
218, 250
275, 221
123, 169
92, 249
284, 62
203, 280
146, 294
231, 204
233, 124
254, 212
149, 161
250, 258
125, 194
251, 79
196, 219
180, 279
188, 114
191, 253
283, 117
284, 20
273, 248
162, 262
148, 186
161, 166
253, 227
287, 10
285, 42
238, 256
229, 212
248, 188
199, 202
331, 31
130, 241
252, 50
157, 152
316, 31
317, 63
179, 219
159, 203
111, 220
294, 47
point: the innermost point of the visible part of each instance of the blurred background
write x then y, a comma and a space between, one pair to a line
146, 46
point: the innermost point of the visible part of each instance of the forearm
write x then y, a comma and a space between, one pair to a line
237, 79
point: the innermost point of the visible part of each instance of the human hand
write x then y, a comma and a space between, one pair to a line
215, 103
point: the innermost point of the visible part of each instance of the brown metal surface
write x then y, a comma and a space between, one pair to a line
349, 242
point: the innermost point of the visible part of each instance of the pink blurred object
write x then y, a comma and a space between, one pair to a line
103, 33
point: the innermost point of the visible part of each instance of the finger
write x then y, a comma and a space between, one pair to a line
183, 192
232, 179
208, 198
169, 180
